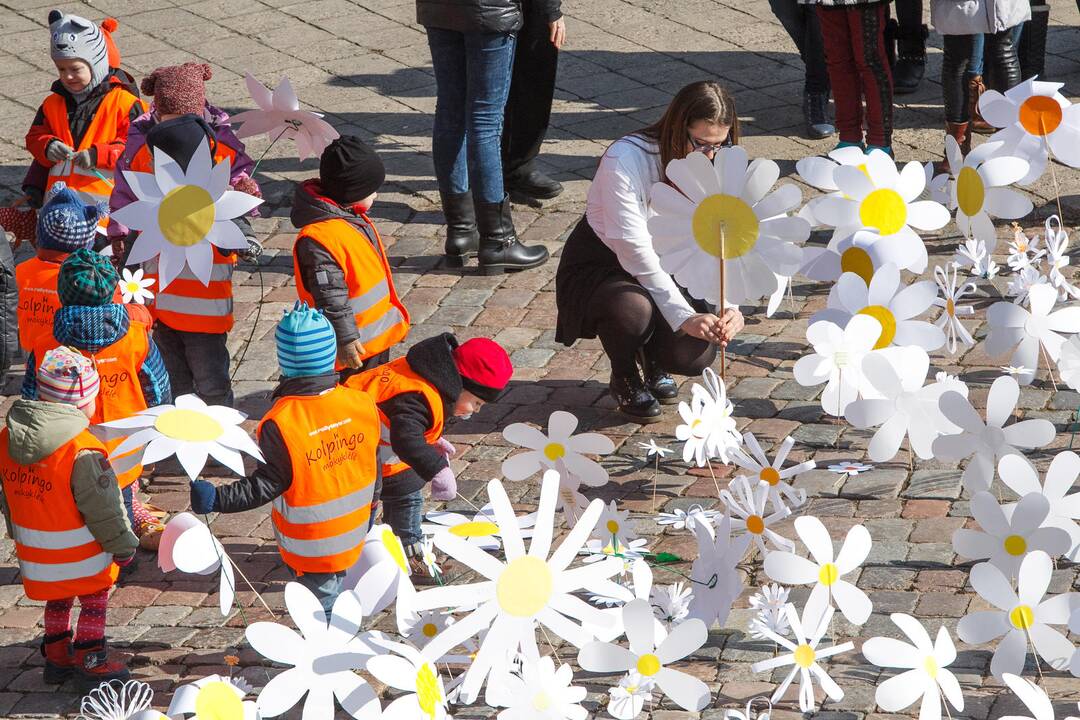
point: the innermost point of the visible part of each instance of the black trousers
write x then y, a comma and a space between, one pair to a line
532, 88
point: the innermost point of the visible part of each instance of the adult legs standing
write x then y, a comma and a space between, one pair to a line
801, 23
840, 60
867, 32
911, 40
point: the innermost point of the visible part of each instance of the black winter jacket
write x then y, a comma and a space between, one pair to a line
468, 16
9, 296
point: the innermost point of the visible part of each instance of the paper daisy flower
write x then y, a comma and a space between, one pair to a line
671, 603
862, 253
770, 602
975, 256
979, 188
885, 301
1035, 120
189, 429
479, 529
627, 699
1033, 697
804, 658
722, 209
851, 468
652, 449
746, 502
774, 475
1006, 541
279, 116
208, 698
1057, 259
133, 287
905, 406
614, 527
952, 292
925, 666
769, 621
1020, 616
1024, 332
424, 626
821, 173
128, 700
986, 442
540, 692
322, 657
415, 674
526, 589
650, 659
885, 201
188, 545
382, 576
182, 215
597, 549
825, 570
1021, 282
1020, 477
1024, 252
1014, 370
837, 360
679, 519
559, 450
716, 582
708, 428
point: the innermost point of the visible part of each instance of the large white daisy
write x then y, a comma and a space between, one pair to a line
279, 116
723, 209
1021, 477
1012, 328
1006, 540
182, 214
978, 188
416, 674
560, 449
480, 528
837, 360
821, 173
773, 474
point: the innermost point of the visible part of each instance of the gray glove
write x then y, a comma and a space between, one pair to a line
85, 159
58, 151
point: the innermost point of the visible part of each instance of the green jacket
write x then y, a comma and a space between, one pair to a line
35, 430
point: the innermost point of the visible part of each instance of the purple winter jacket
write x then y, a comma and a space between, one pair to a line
122, 194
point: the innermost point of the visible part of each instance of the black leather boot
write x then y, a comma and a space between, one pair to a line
462, 237
500, 250
815, 107
910, 62
532, 185
634, 399
658, 382
1032, 48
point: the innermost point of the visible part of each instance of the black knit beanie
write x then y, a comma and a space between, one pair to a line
349, 170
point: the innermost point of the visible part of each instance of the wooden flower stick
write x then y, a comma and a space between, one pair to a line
720, 304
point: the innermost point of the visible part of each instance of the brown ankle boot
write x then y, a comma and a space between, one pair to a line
975, 90
959, 132
59, 662
94, 664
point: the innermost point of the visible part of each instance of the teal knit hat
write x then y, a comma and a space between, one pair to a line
86, 278
306, 343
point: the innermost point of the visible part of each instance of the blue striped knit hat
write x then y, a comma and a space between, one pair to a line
306, 343
66, 223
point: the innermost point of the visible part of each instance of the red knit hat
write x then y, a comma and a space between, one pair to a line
178, 89
484, 366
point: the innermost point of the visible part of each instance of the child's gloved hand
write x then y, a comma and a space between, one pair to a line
445, 448
351, 355
86, 159
203, 496
58, 151
444, 485
124, 561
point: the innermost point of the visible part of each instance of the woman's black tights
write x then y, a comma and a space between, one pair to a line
627, 320
1001, 70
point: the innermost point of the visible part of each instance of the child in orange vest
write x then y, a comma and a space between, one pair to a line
64, 225
415, 395
321, 445
63, 509
339, 260
117, 338
80, 129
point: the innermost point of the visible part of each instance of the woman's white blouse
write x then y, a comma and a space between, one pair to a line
617, 208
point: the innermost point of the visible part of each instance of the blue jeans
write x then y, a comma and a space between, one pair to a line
403, 514
325, 586
472, 76
975, 65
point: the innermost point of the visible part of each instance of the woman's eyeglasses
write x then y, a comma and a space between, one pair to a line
706, 148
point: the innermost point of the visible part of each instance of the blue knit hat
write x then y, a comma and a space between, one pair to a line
306, 343
66, 223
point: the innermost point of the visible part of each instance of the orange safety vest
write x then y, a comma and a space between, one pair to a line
321, 520
390, 380
38, 299
186, 304
381, 317
58, 556
114, 108
121, 393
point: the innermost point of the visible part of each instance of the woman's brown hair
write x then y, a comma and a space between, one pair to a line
703, 100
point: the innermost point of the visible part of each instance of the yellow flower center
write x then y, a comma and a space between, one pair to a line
648, 665
888, 324
475, 528
427, 690
218, 701
884, 210
970, 191
1015, 545
1022, 617
725, 226
429, 630
554, 451
769, 475
186, 215
755, 524
541, 701
188, 425
612, 527
132, 287
1040, 115
856, 260
524, 587
931, 667
950, 307
804, 656
393, 546
828, 574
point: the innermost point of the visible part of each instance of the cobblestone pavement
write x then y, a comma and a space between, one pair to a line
366, 65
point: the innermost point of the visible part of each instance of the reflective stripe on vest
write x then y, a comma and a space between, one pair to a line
329, 510
365, 301
324, 546
194, 306
53, 539
390, 318
63, 572
387, 456
219, 272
